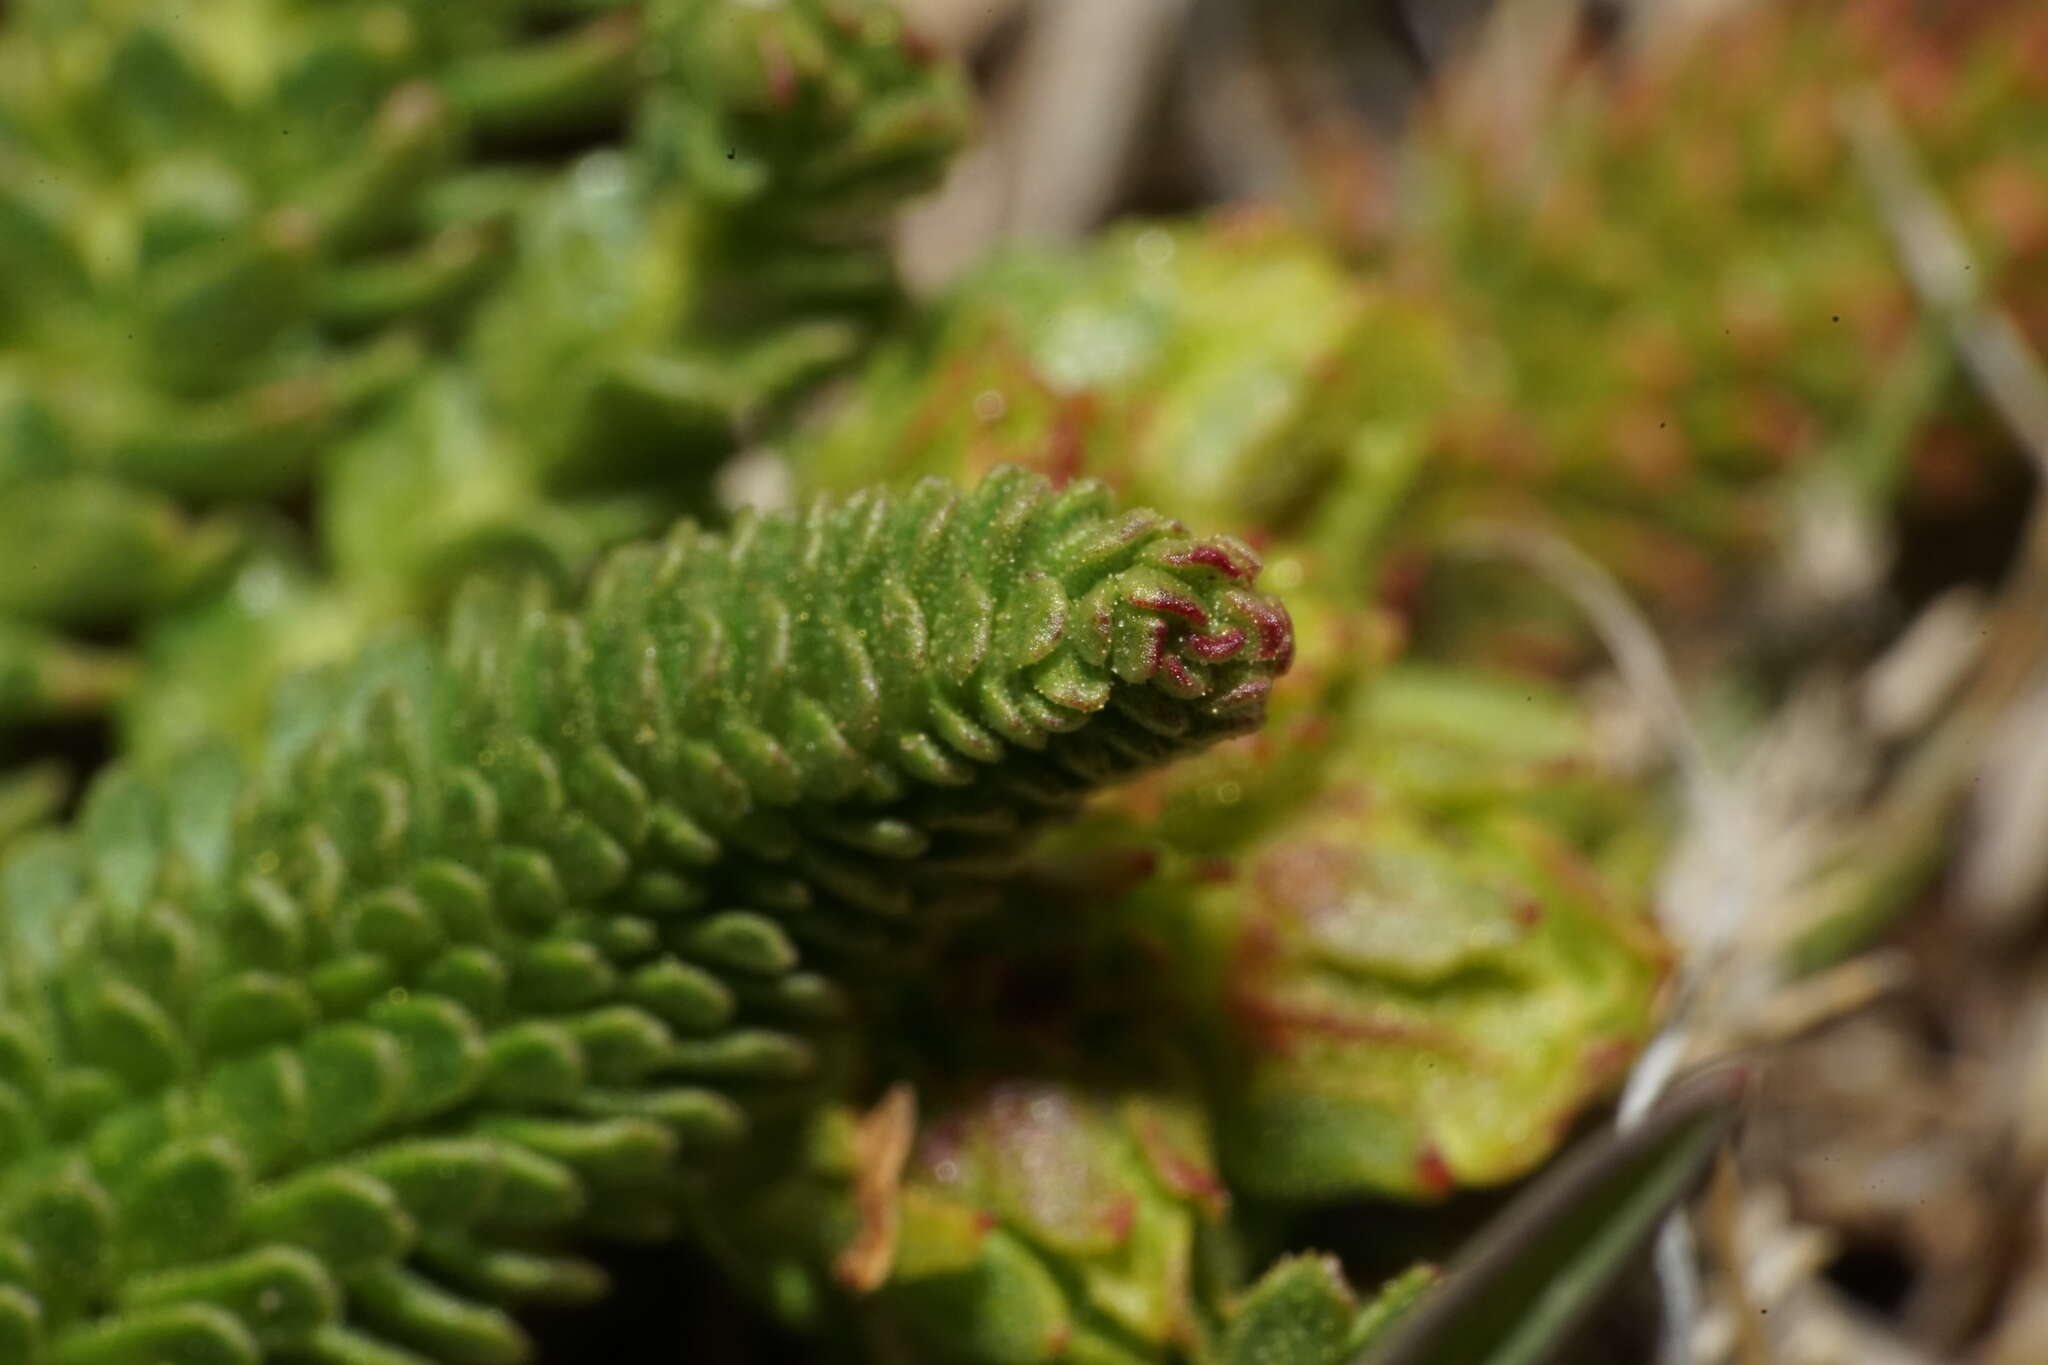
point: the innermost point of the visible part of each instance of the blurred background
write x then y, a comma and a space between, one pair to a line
1684, 355
1692, 245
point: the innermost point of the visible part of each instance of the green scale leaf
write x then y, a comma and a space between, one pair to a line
515, 927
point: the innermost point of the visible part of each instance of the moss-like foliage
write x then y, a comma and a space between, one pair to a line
328, 1061
473, 283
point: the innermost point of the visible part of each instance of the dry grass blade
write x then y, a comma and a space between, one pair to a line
1550, 1258
2011, 378
1932, 248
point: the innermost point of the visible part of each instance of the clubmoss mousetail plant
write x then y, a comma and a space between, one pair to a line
336, 1060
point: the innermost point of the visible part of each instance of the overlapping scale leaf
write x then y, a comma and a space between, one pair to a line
512, 930
930, 678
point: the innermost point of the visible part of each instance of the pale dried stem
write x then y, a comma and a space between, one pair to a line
1064, 124
2011, 378
1724, 1241
1994, 352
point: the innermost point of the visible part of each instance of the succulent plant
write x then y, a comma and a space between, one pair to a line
667, 298
306, 1060
1413, 975
276, 250
593, 911
1033, 1220
1227, 368
1418, 1013
800, 127
192, 206
1603, 321
1116, 1192
1405, 920
1303, 1312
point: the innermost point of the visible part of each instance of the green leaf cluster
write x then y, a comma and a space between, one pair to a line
512, 927
459, 279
